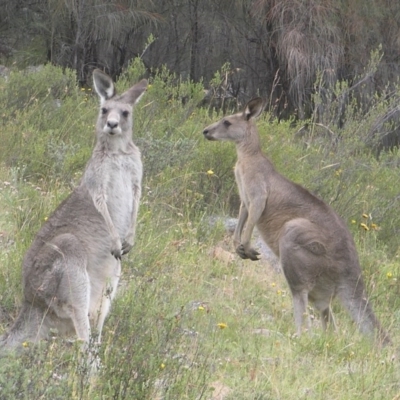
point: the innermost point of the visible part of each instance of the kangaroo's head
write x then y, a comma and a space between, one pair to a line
115, 117
235, 127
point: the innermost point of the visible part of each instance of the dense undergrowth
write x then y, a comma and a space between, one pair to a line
186, 325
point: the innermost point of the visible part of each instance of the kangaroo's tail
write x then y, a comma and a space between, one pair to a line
28, 327
360, 309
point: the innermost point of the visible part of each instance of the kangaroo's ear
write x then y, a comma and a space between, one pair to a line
133, 95
253, 108
104, 85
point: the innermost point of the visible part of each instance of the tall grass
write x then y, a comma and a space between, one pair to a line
186, 325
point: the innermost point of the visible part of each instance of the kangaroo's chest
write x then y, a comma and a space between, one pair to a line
123, 179
251, 184
120, 184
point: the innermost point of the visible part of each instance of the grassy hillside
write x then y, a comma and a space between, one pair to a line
191, 321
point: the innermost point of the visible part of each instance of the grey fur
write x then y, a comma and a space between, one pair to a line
316, 250
72, 269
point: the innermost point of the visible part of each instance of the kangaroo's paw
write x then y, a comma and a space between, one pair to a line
116, 253
247, 254
126, 247
116, 249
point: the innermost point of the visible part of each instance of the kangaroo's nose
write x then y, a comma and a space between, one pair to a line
112, 124
205, 131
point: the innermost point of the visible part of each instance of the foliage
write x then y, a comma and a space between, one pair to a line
43, 108
308, 40
186, 325
277, 48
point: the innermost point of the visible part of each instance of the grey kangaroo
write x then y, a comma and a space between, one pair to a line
316, 250
71, 271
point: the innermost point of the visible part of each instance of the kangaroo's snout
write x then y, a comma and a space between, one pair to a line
112, 124
207, 135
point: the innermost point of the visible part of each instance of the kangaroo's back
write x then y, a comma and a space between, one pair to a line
293, 201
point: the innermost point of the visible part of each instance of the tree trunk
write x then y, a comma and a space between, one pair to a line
195, 37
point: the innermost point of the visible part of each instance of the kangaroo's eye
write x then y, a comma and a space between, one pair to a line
226, 123
125, 114
104, 110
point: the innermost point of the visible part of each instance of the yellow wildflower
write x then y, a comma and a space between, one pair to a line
365, 226
210, 172
201, 308
353, 221
162, 366
222, 325
374, 226
25, 344
338, 172
365, 215
389, 275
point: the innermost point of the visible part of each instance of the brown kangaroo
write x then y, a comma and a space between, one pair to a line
72, 269
316, 250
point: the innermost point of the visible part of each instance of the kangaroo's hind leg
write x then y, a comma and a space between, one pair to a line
321, 297
327, 319
109, 292
104, 280
71, 297
300, 302
60, 282
302, 257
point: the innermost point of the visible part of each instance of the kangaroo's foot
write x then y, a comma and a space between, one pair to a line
247, 253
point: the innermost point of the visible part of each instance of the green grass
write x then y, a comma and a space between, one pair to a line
185, 324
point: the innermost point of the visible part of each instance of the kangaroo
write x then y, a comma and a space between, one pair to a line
72, 269
316, 250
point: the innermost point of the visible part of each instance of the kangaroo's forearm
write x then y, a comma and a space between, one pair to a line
135, 210
243, 214
101, 206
